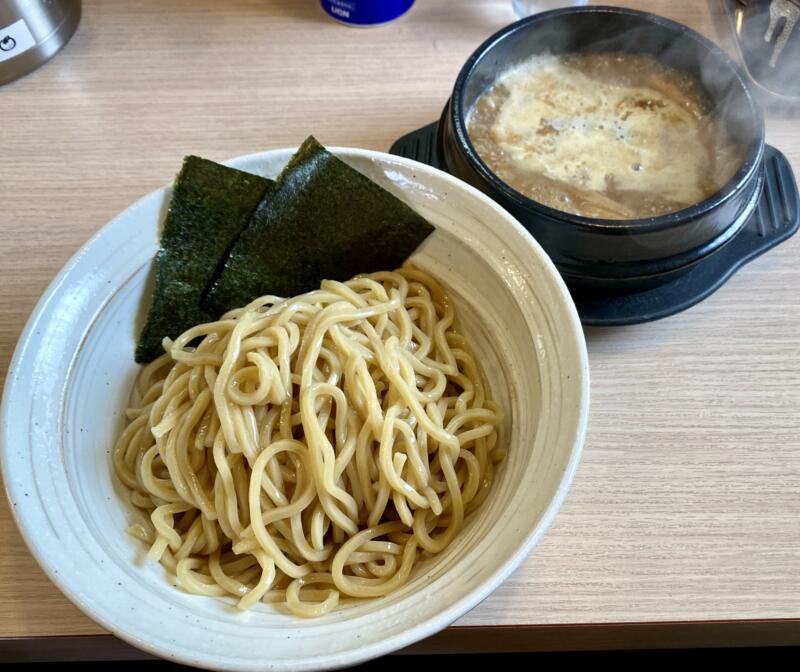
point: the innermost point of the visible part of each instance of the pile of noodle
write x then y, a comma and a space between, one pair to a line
305, 449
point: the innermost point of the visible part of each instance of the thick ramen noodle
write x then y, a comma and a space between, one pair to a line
616, 136
302, 449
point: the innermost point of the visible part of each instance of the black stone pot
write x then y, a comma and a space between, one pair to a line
600, 255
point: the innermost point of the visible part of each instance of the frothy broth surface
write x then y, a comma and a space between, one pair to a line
616, 136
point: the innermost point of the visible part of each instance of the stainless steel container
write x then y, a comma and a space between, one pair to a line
32, 32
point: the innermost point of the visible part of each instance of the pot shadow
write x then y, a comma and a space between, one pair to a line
649, 336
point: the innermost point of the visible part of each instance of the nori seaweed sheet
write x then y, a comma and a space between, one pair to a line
321, 220
210, 206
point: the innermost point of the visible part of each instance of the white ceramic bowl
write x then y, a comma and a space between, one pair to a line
71, 376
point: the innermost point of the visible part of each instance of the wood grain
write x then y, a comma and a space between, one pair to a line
686, 503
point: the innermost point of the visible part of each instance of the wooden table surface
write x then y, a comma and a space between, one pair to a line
686, 504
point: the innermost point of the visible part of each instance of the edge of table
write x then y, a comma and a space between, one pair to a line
474, 639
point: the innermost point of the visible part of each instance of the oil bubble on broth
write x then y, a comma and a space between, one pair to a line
616, 136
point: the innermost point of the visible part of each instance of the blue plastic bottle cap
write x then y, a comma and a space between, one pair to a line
365, 12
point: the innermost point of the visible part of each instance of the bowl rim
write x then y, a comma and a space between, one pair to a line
750, 164
14, 484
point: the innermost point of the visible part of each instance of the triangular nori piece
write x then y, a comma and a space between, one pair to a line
210, 206
322, 220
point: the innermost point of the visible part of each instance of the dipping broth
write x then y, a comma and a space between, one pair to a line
608, 135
